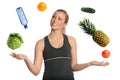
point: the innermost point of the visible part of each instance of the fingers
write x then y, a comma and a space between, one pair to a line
106, 63
13, 54
17, 56
102, 63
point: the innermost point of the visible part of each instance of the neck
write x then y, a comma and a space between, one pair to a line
56, 34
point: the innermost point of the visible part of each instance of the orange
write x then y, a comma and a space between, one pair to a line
42, 6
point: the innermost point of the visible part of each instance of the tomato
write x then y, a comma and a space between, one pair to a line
106, 53
42, 6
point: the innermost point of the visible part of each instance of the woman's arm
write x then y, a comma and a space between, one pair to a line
79, 67
36, 65
74, 63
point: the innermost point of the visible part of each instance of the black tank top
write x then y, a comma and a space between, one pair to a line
57, 61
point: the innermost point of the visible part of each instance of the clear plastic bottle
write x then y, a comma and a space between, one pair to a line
22, 16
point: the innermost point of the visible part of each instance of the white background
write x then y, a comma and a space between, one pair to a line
106, 19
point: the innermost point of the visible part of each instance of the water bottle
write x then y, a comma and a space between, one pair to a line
22, 16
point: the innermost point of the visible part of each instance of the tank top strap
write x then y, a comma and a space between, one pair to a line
46, 40
66, 42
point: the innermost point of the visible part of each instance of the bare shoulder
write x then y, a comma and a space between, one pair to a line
40, 43
71, 39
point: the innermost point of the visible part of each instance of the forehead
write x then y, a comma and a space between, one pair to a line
59, 13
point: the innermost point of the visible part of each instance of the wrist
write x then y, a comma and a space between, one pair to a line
25, 57
89, 63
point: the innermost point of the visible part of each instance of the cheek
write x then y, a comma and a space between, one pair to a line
50, 22
61, 24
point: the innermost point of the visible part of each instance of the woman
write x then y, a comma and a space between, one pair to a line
58, 51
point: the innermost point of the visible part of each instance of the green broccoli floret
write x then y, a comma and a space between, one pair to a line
14, 41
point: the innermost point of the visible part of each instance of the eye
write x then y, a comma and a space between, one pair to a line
59, 18
53, 16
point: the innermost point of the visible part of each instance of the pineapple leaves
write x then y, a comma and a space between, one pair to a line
87, 26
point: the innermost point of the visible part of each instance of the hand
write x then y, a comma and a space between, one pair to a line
18, 56
97, 63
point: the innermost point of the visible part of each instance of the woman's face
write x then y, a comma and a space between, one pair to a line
58, 20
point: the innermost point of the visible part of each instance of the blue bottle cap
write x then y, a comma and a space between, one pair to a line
25, 26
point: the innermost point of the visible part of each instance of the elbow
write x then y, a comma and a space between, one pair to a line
36, 73
74, 68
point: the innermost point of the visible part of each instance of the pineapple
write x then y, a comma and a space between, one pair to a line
98, 36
